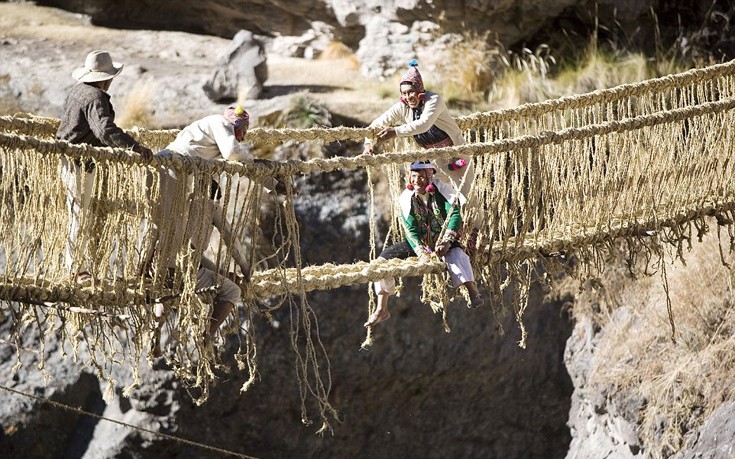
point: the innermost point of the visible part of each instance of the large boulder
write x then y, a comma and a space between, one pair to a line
241, 71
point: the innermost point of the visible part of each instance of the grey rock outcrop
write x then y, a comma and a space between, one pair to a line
360, 23
715, 438
308, 45
620, 408
600, 427
240, 72
388, 46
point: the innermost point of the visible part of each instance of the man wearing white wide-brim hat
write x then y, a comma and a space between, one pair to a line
89, 118
88, 114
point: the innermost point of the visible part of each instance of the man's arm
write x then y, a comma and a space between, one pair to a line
412, 234
101, 121
394, 115
229, 147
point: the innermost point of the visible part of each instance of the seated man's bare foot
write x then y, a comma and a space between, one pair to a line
377, 317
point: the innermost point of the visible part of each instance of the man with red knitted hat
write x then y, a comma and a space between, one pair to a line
423, 115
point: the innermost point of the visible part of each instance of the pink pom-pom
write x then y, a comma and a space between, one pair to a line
457, 164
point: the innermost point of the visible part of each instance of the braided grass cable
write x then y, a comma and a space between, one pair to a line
293, 167
548, 139
29, 124
551, 139
624, 92
329, 276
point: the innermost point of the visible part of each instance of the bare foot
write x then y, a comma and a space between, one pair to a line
477, 301
377, 317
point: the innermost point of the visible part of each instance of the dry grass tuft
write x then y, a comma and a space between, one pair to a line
336, 50
136, 110
465, 72
8, 103
599, 71
482, 75
522, 77
475, 70
676, 384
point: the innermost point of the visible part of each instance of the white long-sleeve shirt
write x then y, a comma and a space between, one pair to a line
212, 137
435, 112
209, 138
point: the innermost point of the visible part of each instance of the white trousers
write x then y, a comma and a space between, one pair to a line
79, 188
458, 265
228, 291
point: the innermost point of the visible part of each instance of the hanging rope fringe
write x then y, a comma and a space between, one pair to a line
557, 186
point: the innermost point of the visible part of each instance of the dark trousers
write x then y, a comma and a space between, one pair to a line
400, 250
403, 250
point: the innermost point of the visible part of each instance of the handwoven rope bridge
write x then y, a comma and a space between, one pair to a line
564, 179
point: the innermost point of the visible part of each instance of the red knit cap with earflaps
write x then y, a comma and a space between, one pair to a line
413, 77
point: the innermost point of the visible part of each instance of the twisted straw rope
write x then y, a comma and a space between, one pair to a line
27, 123
259, 169
600, 96
293, 167
275, 282
522, 231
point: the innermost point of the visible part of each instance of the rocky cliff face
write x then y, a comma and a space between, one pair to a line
606, 421
384, 34
637, 392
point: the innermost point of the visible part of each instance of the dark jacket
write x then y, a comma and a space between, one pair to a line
89, 118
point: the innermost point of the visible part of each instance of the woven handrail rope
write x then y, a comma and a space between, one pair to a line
644, 163
664, 86
292, 167
273, 282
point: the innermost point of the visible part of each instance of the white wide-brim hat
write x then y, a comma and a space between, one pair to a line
97, 67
